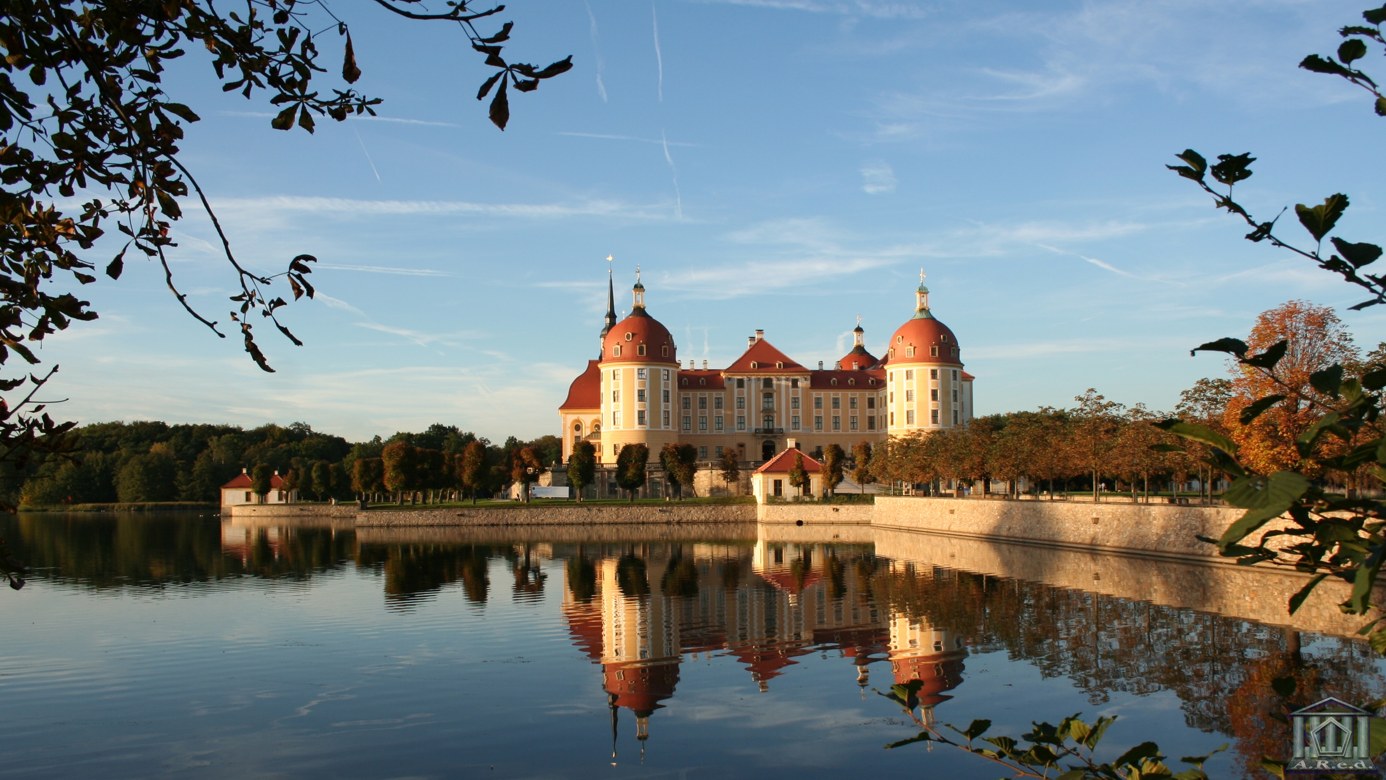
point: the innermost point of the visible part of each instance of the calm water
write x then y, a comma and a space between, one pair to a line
188, 647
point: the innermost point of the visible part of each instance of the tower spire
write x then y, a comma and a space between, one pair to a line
610, 306
921, 299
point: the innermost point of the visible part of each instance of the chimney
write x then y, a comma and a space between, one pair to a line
704, 364
760, 334
750, 341
791, 444
820, 365
855, 365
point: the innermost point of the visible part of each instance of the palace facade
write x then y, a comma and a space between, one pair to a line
637, 391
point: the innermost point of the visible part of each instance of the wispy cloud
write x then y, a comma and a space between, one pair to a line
396, 120
877, 178
382, 269
637, 139
862, 8
353, 209
674, 174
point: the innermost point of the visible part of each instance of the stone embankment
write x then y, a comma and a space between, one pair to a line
547, 514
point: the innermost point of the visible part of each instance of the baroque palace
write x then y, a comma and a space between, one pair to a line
637, 392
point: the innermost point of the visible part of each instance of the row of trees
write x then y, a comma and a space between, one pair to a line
155, 461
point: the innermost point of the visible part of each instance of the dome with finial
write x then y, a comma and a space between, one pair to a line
923, 338
639, 338
859, 359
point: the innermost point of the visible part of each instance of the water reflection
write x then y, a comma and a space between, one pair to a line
640, 609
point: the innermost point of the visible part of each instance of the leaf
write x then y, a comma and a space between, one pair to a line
562, 66
1375, 15
1135, 754
1270, 357
1232, 168
1318, 64
1357, 254
1235, 347
1254, 410
922, 736
305, 120
487, 84
284, 120
500, 108
350, 71
116, 265
1328, 380
1381, 106
1351, 49
1194, 168
1363, 581
1264, 498
181, 111
976, 729
1319, 220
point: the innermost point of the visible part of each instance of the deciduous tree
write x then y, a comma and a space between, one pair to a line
582, 467
833, 457
630, 468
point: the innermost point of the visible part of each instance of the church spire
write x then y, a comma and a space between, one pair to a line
610, 306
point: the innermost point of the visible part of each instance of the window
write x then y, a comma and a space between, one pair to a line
837, 423
892, 396
818, 402
687, 403
741, 402
837, 402
717, 423
892, 418
794, 422
666, 395
664, 351
818, 422
955, 395
740, 382
909, 396
640, 395
717, 403
933, 416
852, 423
955, 416
614, 422
909, 351
767, 401
629, 335
909, 375
767, 421
640, 374
871, 402
933, 373
640, 417
955, 375
640, 349
615, 396
870, 422
702, 423
933, 394
616, 350
794, 383
615, 374
666, 375
718, 451
687, 423
933, 351
666, 418
794, 402
852, 402
767, 383
702, 402
702, 453
740, 422
909, 417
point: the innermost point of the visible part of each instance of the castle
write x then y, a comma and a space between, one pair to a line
636, 391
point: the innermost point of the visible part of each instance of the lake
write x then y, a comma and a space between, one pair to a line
187, 646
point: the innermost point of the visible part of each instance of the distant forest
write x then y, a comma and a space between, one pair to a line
140, 462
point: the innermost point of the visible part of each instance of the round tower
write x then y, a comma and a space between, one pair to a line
926, 387
639, 368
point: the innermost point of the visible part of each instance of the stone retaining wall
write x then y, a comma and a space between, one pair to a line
281, 511
559, 514
1157, 530
815, 514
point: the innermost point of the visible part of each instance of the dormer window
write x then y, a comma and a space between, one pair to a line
899, 339
629, 335
616, 351
702, 381
754, 364
833, 382
779, 364
909, 351
640, 349
933, 351
851, 381
664, 351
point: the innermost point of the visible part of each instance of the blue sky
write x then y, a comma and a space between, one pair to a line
777, 164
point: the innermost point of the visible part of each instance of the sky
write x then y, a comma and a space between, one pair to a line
785, 165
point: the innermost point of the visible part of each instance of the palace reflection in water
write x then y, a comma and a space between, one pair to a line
641, 610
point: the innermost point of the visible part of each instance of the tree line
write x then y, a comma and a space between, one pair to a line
144, 462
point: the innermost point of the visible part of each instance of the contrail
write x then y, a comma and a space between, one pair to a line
659, 57
369, 161
597, 50
678, 197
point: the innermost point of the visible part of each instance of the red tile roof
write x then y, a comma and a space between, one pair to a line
763, 358
639, 330
242, 482
701, 379
923, 333
586, 391
784, 462
847, 380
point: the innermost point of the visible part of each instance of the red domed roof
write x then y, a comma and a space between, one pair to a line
931, 340
586, 391
639, 338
